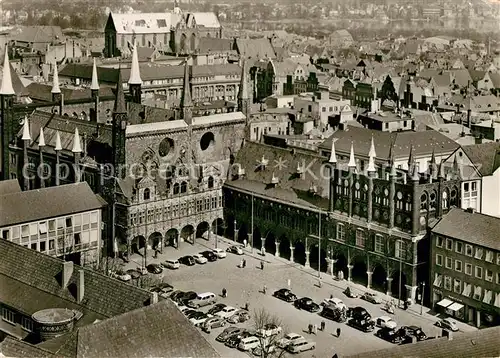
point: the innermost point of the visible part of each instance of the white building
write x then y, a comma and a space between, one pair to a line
319, 107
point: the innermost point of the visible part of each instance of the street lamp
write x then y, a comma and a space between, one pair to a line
422, 298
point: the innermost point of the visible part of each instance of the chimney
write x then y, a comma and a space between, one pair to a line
471, 210
67, 272
80, 288
478, 139
468, 118
154, 298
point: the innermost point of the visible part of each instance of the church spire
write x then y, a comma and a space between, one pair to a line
55, 81
26, 129
77, 146
372, 152
186, 90
333, 155
41, 138
119, 106
95, 80
352, 160
243, 96
135, 73
7, 88
58, 145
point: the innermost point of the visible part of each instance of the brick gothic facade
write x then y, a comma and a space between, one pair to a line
373, 227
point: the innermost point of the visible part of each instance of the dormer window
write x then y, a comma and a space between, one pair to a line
147, 194
210, 182
183, 187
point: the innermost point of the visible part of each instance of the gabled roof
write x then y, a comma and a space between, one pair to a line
214, 44
84, 71
12, 347
144, 22
475, 228
255, 48
39, 34
206, 19
17, 84
42, 92
33, 205
485, 156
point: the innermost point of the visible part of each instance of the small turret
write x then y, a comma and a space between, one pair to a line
56, 90
7, 89
442, 173
372, 152
333, 155
410, 160
371, 165
352, 160
94, 87
415, 175
26, 130
186, 100
58, 145
135, 81
77, 146
41, 138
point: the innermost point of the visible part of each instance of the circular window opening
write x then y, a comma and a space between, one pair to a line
207, 141
166, 146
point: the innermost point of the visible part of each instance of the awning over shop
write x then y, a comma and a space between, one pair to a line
444, 302
455, 306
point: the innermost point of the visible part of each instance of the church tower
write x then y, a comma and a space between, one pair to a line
120, 118
243, 97
186, 100
135, 81
7, 126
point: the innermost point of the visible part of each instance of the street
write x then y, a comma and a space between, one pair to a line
245, 285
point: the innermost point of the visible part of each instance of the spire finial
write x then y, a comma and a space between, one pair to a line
186, 90
243, 93
333, 155
120, 96
371, 165
7, 88
352, 160
95, 80
55, 81
372, 153
41, 138
415, 174
26, 129
77, 146
135, 73
58, 146
442, 173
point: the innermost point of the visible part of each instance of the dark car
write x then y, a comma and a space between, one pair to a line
228, 332
358, 313
216, 308
334, 313
134, 274
190, 313
187, 296
154, 268
307, 304
209, 255
391, 335
362, 324
174, 296
187, 260
415, 332
285, 294
235, 339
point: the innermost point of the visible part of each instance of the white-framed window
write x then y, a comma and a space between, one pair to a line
94, 217
488, 275
477, 293
469, 195
468, 250
400, 251
439, 241
449, 244
498, 259
498, 278
42, 227
459, 247
489, 256
341, 232
438, 280
379, 243
27, 324
479, 272
360, 238
458, 265
457, 285
449, 263
447, 283
479, 253
77, 219
468, 269
439, 260
467, 289
8, 315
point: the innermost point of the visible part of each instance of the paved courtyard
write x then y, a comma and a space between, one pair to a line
245, 285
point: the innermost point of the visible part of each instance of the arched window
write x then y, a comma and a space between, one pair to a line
147, 194
210, 182
176, 188
183, 187
423, 202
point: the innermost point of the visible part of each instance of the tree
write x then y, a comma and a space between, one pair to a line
269, 345
108, 265
149, 281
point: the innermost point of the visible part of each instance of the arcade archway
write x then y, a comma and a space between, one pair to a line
202, 230
299, 253
285, 251
257, 238
171, 237
317, 257
359, 273
379, 279
242, 232
138, 243
154, 241
270, 243
398, 286
188, 233
340, 265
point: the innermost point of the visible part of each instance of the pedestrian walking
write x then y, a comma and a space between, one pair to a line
323, 324
319, 283
338, 332
247, 306
245, 243
244, 263
315, 329
264, 289
224, 293
310, 328
262, 265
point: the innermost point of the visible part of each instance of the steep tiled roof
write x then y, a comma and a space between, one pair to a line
9, 186
424, 143
17, 84
42, 92
12, 347
39, 34
255, 48
144, 22
475, 228
103, 295
213, 44
139, 114
84, 71
33, 205
485, 156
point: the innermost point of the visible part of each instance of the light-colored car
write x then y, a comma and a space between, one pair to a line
372, 298
220, 253
289, 338
202, 299
249, 343
214, 322
171, 264
199, 259
239, 317
238, 250
122, 276
257, 351
142, 270
269, 330
335, 302
301, 345
385, 322
448, 323
227, 312
198, 320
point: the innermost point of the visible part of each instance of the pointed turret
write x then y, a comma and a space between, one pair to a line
7, 89
119, 106
55, 82
372, 152
41, 138
415, 176
433, 166
243, 95
456, 168
352, 160
26, 129
333, 155
95, 80
442, 173
77, 146
58, 145
410, 157
186, 90
371, 165
135, 73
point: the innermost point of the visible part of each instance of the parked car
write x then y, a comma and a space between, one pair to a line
385, 322
416, 332
142, 270
191, 313
235, 250
122, 276
134, 274
216, 308
154, 268
239, 317
288, 338
174, 296
335, 302
301, 345
285, 294
334, 313
209, 255
199, 259
228, 332
171, 264
248, 343
372, 298
235, 339
187, 260
359, 313
199, 319
448, 323
391, 335
307, 304
257, 351
214, 322
202, 299
221, 254
166, 289
269, 330
186, 297
227, 312
364, 325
